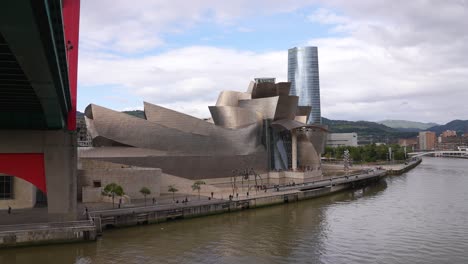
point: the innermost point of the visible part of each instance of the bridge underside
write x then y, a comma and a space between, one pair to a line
38, 67
34, 85
57, 148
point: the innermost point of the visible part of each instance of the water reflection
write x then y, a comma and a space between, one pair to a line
419, 217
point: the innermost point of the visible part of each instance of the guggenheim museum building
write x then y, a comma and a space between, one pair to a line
262, 129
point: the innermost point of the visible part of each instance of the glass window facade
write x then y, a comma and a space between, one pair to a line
6, 187
303, 73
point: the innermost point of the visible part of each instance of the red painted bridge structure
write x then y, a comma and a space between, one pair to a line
38, 90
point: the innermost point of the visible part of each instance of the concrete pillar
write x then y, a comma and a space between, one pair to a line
60, 158
293, 149
60, 161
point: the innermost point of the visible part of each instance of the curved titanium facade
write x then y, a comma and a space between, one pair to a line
234, 117
245, 134
231, 98
303, 73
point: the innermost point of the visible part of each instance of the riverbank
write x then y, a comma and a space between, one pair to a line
103, 219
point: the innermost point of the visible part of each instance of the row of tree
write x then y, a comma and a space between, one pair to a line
113, 189
196, 186
367, 153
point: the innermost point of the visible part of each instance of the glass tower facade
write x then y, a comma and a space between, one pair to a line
303, 73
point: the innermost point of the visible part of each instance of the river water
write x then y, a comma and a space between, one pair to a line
418, 217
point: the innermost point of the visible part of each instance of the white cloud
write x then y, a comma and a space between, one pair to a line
397, 60
137, 26
187, 78
390, 59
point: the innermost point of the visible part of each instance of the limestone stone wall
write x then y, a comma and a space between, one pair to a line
185, 185
60, 156
132, 179
24, 194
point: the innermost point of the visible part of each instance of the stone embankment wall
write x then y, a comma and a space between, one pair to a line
47, 233
147, 215
409, 167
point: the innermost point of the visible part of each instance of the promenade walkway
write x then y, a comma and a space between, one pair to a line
166, 204
165, 201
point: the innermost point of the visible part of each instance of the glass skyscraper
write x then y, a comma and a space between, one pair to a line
303, 73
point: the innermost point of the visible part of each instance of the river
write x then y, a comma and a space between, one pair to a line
418, 217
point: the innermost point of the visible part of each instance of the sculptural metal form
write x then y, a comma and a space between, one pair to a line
193, 148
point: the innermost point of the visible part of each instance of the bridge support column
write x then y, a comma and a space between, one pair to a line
60, 164
60, 157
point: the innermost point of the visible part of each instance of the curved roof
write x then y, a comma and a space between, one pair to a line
234, 117
288, 124
231, 98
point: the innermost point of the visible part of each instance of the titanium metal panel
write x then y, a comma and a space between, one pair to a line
307, 155
286, 108
187, 166
318, 137
283, 88
251, 87
234, 117
303, 110
177, 120
264, 106
264, 89
287, 124
231, 98
137, 132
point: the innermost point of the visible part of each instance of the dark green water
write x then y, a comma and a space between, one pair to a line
418, 217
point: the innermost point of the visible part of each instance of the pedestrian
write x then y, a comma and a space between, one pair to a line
154, 200
9, 210
212, 194
247, 194
237, 196
85, 211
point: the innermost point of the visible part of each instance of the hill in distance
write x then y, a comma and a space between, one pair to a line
137, 113
461, 126
368, 132
408, 126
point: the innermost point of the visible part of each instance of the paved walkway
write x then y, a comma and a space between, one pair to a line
278, 190
39, 215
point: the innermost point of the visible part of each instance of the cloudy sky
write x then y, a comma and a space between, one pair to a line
378, 59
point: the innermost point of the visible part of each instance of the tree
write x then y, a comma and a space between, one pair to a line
113, 189
173, 190
197, 186
145, 191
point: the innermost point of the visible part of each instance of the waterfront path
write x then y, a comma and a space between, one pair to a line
46, 233
270, 192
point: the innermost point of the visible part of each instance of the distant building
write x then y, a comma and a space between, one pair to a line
342, 139
451, 142
303, 73
449, 133
265, 79
411, 143
83, 138
427, 140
